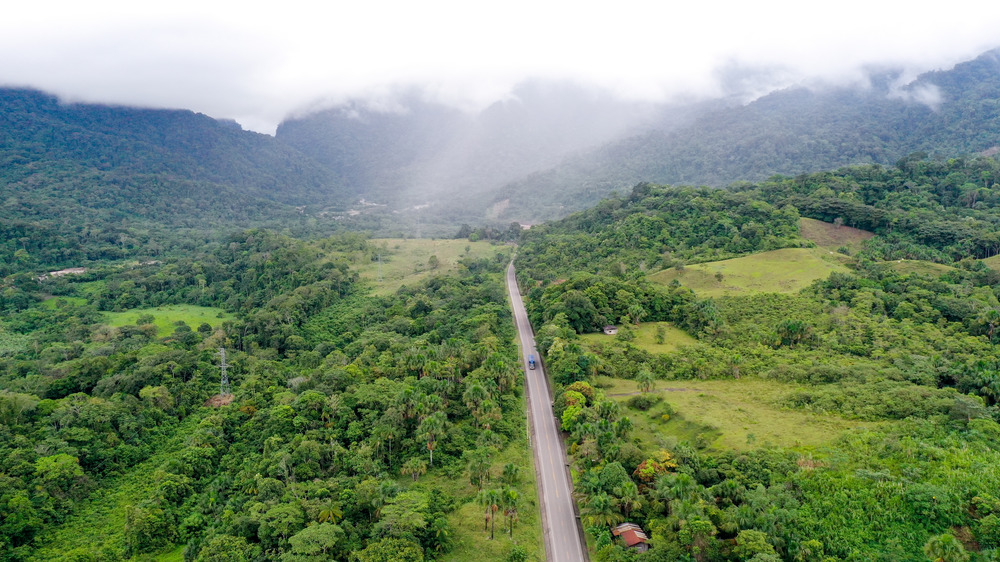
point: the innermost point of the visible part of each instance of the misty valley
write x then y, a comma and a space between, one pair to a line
766, 330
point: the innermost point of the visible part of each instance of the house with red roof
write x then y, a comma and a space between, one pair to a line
633, 536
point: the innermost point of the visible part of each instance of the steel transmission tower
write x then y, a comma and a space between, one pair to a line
224, 388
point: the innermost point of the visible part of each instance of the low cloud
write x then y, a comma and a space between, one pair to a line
925, 94
257, 66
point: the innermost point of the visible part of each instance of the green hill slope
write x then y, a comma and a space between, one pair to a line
779, 271
786, 132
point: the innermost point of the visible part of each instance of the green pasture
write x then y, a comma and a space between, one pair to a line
738, 414
830, 236
56, 302
920, 267
992, 262
406, 261
779, 271
175, 555
645, 337
165, 317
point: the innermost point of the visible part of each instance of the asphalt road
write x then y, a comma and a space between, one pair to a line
563, 536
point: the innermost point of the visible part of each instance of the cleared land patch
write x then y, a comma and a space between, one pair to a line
779, 271
56, 302
645, 337
920, 267
992, 262
830, 236
408, 260
725, 414
165, 317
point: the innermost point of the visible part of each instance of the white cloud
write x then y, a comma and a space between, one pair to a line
258, 62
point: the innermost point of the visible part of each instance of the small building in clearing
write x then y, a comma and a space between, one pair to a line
633, 536
611, 330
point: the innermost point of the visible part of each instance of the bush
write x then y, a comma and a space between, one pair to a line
644, 401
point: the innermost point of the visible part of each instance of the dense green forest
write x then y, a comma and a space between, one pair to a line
908, 359
798, 130
85, 183
358, 426
942, 211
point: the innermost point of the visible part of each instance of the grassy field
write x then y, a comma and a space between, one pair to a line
164, 317
726, 414
175, 555
928, 268
992, 262
55, 302
779, 271
645, 337
405, 261
831, 237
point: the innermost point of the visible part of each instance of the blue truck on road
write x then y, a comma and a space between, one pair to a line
531, 362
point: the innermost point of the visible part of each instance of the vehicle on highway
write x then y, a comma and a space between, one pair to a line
531, 362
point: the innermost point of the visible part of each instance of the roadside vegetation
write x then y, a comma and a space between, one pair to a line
851, 416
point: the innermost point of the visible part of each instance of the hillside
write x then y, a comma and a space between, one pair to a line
833, 236
829, 407
37, 131
88, 182
786, 132
778, 271
411, 150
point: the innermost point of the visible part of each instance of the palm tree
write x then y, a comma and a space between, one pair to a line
387, 489
441, 531
408, 400
735, 360
415, 467
331, 512
487, 439
645, 379
479, 467
629, 498
945, 548
636, 313
382, 433
474, 396
676, 486
489, 500
511, 474
623, 426
991, 318
510, 501
601, 510
589, 483
488, 412
430, 429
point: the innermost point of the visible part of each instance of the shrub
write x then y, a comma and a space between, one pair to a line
644, 401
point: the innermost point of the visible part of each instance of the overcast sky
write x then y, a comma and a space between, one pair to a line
257, 63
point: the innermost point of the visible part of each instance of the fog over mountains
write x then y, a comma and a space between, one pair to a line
418, 150
547, 149
553, 148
